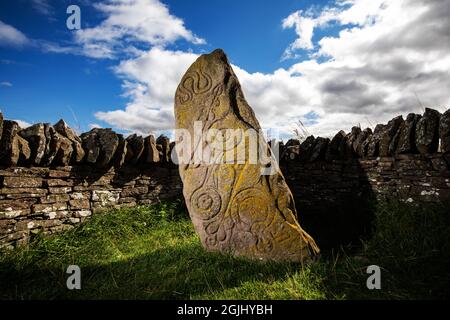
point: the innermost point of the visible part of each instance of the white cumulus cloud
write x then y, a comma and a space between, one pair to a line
147, 22
150, 82
390, 57
10, 36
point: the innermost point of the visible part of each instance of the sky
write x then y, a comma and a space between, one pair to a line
330, 64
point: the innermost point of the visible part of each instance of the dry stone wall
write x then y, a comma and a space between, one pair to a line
52, 179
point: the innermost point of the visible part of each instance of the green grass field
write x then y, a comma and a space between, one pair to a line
154, 253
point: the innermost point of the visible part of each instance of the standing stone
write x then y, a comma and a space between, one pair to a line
35, 135
406, 142
233, 207
150, 150
63, 129
427, 132
444, 132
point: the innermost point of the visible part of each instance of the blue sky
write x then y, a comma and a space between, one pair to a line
287, 72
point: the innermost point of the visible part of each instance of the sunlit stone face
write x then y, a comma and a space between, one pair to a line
238, 207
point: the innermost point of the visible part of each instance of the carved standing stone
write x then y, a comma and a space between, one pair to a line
233, 207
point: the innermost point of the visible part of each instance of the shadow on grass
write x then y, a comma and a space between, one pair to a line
170, 273
122, 257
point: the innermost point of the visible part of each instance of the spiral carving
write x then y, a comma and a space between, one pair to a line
206, 202
195, 82
247, 201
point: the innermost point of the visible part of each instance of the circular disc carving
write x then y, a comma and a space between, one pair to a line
206, 202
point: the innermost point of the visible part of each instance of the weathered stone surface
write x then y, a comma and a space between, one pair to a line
320, 147
91, 146
14, 149
427, 132
361, 142
24, 150
121, 152
105, 197
151, 153
35, 135
306, 148
109, 141
233, 207
63, 129
292, 142
80, 204
444, 131
389, 139
135, 148
373, 146
407, 135
54, 142
346, 147
9, 149
65, 151
291, 152
333, 148
22, 182
353, 138
164, 142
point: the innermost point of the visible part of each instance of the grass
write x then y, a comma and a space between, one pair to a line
154, 253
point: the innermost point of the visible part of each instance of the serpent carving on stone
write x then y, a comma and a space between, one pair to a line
235, 208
